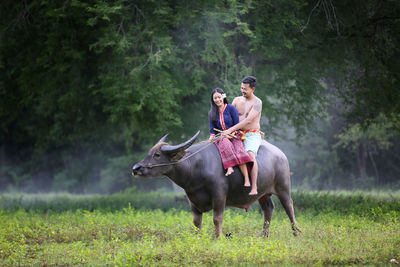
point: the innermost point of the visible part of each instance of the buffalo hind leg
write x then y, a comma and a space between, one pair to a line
267, 207
287, 203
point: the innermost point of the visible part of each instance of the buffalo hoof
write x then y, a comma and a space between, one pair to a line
265, 234
296, 230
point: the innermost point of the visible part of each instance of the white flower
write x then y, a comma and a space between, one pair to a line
223, 95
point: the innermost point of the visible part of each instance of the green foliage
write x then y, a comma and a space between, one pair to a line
86, 84
379, 134
64, 201
342, 202
358, 203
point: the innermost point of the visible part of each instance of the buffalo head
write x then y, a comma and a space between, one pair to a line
160, 158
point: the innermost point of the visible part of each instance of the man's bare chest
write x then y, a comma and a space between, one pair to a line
244, 108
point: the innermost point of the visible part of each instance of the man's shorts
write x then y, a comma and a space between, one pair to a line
252, 142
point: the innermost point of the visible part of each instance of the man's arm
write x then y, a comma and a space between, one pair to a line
254, 112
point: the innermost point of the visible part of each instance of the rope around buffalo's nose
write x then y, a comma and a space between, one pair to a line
215, 139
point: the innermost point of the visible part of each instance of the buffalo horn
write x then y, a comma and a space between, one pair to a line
163, 138
175, 149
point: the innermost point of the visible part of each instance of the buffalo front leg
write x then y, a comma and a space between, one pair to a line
197, 216
287, 203
267, 206
218, 216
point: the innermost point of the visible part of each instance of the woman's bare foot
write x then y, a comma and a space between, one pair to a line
246, 182
229, 171
253, 192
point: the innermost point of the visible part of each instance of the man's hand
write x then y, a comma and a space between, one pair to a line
227, 133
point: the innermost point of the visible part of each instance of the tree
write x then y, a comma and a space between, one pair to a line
368, 141
87, 85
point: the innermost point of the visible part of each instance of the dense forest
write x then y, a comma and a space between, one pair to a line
87, 87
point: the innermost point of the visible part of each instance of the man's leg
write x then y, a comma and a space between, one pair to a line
243, 169
253, 174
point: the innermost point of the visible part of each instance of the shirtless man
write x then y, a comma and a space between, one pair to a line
249, 107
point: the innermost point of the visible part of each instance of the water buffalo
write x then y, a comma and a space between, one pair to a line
198, 170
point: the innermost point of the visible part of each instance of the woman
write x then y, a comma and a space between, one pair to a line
222, 116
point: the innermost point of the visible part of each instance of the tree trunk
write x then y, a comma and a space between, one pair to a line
362, 159
377, 179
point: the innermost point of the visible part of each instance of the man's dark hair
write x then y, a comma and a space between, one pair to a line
251, 80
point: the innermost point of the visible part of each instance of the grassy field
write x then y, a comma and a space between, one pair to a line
339, 228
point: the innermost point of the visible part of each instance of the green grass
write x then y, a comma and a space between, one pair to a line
332, 233
163, 200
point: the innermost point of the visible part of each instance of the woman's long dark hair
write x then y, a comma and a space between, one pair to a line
214, 113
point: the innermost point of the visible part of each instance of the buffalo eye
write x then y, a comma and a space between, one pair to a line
156, 155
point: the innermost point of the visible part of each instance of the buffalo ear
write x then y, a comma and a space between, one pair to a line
178, 156
173, 150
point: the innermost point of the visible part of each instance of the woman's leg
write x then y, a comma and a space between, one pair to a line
229, 171
227, 153
243, 169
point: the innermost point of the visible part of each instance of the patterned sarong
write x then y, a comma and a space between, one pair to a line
233, 153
